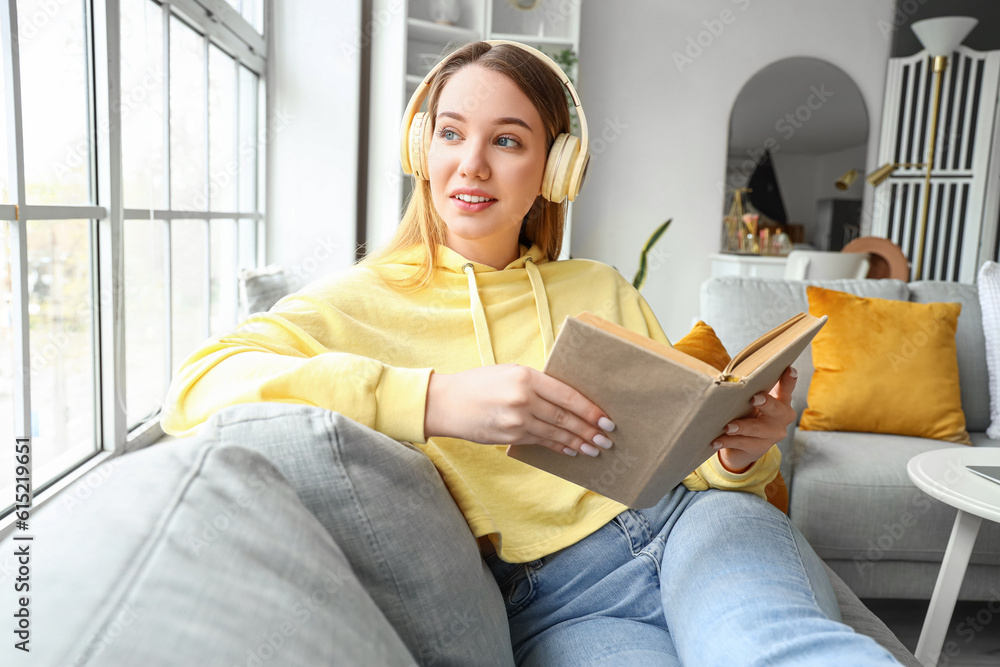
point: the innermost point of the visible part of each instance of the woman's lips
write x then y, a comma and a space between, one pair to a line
469, 207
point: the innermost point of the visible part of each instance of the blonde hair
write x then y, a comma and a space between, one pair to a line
543, 224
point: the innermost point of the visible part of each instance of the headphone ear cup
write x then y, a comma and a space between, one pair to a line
418, 144
559, 167
579, 175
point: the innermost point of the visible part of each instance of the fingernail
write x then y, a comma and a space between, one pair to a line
602, 441
732, 428
717, 445
758, 400
793, 373
589, 449
569, 451
606, 424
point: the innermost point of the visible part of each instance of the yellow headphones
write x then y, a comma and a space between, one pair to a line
565, 168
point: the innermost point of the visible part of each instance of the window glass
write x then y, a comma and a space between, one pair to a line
4, 155
188, 146
146, 323
222, 164
142, 104
55, 101
264, 134
6, 362
188, 140
253, 12
189, 287
247, 258
248, 91
61, 337
225, 276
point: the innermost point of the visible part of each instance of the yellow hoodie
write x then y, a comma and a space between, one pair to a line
353, 344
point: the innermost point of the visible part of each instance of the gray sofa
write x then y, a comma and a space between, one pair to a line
280, 535
849, 492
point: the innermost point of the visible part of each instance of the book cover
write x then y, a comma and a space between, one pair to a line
667, 406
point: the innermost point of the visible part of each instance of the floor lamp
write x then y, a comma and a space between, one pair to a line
940, 37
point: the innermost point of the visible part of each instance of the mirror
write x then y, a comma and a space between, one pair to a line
809, 116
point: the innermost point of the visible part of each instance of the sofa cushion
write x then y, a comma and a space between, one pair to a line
989, 301
703, 344
884, 366
262, 288
740, 309
852, 499
970, 342
384, 503
194, 553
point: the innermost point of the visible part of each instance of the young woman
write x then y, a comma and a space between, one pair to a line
438, 339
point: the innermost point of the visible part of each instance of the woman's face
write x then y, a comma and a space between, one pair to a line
485, 163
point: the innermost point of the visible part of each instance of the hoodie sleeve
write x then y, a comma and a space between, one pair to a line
270, 357
712, 475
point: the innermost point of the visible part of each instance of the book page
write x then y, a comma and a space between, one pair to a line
769, 345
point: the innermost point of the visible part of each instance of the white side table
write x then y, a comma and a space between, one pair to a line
748, 266
941, 473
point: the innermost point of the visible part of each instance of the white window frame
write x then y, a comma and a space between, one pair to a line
220, 25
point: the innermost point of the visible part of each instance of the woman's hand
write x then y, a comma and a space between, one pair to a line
746, 440
515, 405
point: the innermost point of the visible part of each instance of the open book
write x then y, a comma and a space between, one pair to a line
667, 406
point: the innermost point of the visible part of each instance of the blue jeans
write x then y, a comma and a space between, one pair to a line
703, 578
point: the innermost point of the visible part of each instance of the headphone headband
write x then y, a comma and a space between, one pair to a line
420, 94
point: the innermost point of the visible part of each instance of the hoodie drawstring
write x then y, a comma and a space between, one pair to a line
541, 305
483, 341
479, 319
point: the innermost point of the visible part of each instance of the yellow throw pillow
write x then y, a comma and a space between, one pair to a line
703, 343
885, 366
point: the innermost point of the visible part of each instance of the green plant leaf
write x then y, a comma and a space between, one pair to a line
640, 275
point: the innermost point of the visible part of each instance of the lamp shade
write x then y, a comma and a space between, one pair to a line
885, 171
845, 181
942, 35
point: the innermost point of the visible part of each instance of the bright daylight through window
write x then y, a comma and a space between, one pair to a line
182, 130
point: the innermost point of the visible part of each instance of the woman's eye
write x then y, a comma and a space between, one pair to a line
448, 135
507, 142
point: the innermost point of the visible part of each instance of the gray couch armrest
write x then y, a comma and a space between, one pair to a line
855, 614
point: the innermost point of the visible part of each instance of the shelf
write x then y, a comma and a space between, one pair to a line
428, 31
535, 40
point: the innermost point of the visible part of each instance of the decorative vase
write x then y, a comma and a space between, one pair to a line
445, 11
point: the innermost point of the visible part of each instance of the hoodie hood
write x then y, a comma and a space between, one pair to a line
524, 268
452, 262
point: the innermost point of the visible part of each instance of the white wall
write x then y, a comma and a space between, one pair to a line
659, 130
314, 74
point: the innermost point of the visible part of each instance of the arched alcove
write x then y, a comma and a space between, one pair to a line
811, 117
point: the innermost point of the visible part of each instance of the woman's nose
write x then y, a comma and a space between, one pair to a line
475, 163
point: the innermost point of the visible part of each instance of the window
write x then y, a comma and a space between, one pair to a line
134, 201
